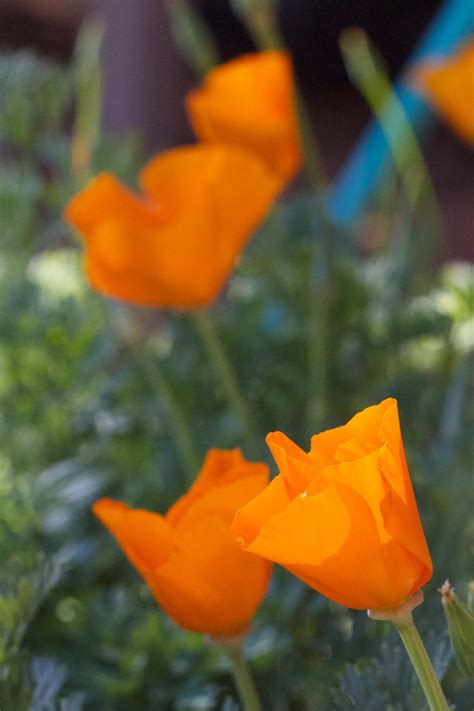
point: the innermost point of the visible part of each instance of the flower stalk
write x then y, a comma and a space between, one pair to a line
226, 374
260, 18
88, 93
401, 617
186, 447
192, 36
134, 334
242, 677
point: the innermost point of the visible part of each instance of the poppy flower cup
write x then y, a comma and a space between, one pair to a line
176, 244
195, 570
343, 517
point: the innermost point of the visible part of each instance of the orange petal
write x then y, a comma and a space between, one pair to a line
309, 529
122, 239
396, 520
250, 102
394, 465
247, 481
356, 574
105, 197
407, 573
196, 571
353, 450
223, 194
176, 247
402, 520
209, 584
363, 427
221, 467
296, 466
330, 541
363, 476
449, 86
250, 519
145, 537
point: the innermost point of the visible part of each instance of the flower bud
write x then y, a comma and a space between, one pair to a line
460, 627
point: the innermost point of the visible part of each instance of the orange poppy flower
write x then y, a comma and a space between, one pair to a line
175, 245
449, 86
343, 517
250, 102
194, 568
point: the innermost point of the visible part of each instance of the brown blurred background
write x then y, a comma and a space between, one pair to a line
145, 78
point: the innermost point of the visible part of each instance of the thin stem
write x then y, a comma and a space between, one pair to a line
262, 22
88, 97
320, 273
242, 677
366, 71
126, 321
184, 439
422, 664
260, 19
225, 371
318, 332
313, 165
192, 36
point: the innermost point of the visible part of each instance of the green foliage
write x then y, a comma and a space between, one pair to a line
79, 418
387, 682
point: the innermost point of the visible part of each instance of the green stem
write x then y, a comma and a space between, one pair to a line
225, 371
184, 439
262, 24
320, 272
313, 166
88, 98
366, 71
318, 332
260, 17
422, 664
242, 677
192, 36
401, 617
132, 332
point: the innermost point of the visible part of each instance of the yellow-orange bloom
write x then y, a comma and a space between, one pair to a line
449, 86
343, 517
193, 566
175, 245
250, 102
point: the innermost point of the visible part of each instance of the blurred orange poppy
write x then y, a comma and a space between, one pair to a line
343, 517
194, 568
175, 245
449, 86
250, 102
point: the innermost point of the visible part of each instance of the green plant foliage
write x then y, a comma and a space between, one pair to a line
387, 682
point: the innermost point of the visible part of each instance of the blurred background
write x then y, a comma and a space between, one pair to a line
146, 77
82, 415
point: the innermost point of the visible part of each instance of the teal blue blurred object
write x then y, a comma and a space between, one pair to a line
363, 169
